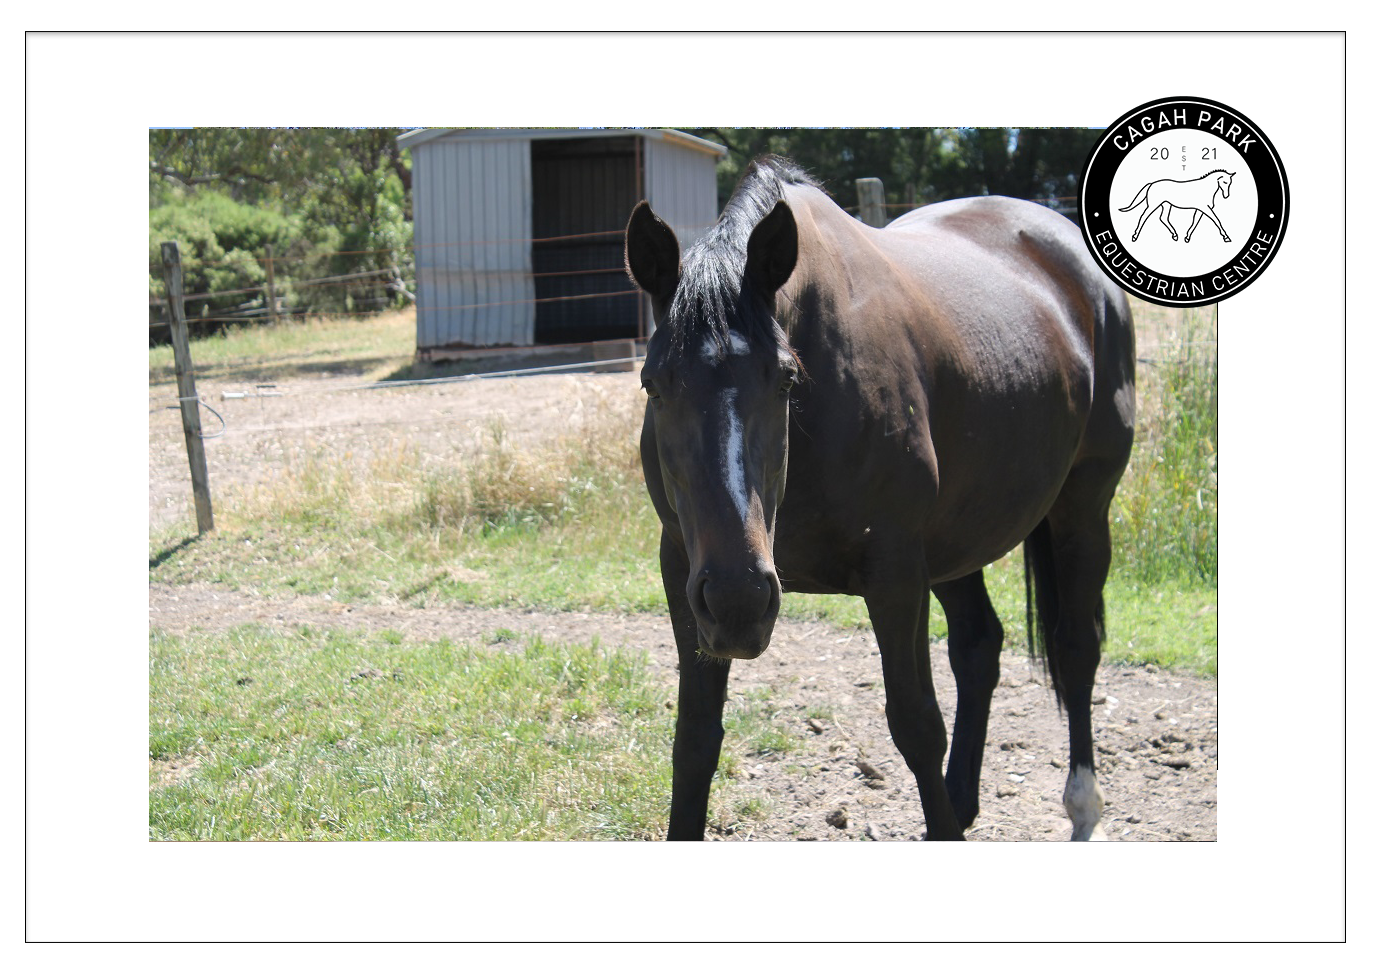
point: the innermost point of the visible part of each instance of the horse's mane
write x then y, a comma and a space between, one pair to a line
712, 268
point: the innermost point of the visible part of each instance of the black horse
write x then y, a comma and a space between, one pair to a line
948, 387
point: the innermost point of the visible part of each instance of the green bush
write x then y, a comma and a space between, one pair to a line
1165, 515
220, 242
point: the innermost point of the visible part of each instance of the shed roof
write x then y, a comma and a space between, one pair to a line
422, 135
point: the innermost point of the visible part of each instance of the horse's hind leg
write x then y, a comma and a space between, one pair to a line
1164, 214
1143, 220
976, 638
1069, 554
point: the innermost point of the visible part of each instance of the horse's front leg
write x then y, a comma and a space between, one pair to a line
897, 606
1194, 220
700, 706
1217, 223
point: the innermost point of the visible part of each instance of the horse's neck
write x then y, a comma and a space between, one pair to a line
808, 305
830, 241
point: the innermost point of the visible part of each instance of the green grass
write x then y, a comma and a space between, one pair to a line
374, 348
259, 734
756, 727
311, 735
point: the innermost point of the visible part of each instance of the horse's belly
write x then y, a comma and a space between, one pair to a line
835, 559
978, 517
950, 555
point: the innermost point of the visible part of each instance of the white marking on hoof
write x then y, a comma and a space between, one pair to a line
1084, 803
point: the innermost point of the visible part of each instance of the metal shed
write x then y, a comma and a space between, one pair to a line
518, 234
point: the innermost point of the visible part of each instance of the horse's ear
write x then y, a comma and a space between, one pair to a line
772, 250
651, 253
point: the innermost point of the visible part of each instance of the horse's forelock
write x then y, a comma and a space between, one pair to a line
712, 271
704, 300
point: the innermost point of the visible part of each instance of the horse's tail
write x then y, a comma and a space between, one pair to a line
1141, 197
1043, 606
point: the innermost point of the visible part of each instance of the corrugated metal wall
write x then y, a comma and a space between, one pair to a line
472, 224
681, 188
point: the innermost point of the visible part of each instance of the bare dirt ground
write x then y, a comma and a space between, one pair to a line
1156, 732
334, 414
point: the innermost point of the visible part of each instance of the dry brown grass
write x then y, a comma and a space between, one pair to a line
502, 483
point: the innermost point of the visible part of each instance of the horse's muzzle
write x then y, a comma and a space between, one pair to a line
735, 613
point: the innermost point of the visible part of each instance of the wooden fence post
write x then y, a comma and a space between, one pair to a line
187, 387
270, 296
871, 210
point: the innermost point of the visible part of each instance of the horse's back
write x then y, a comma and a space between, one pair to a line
1014, 235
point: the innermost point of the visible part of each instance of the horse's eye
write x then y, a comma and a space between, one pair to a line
652, 393
791, 375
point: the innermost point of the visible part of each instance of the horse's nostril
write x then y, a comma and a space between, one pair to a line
696, 593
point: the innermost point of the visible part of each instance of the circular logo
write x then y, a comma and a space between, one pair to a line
1183, 201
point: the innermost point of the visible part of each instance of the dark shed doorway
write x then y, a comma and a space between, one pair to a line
583, 191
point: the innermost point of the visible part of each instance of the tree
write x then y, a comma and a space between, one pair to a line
267, 165
918, 165
337, 198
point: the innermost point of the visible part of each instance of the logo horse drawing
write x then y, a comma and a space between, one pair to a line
1197, 196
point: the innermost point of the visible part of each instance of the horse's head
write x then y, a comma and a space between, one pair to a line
1225, 181
718, 375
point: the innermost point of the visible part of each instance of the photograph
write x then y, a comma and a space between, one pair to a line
767, 440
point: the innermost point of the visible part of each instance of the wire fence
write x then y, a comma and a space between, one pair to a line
266, 287
272, 389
